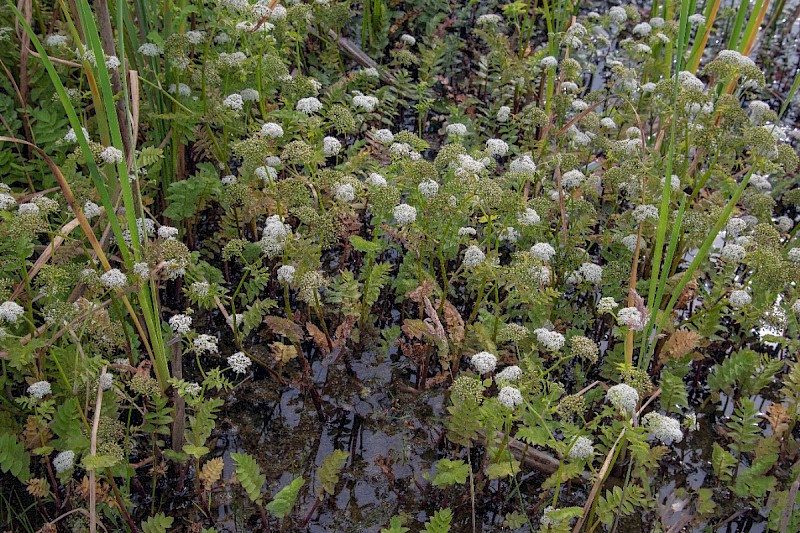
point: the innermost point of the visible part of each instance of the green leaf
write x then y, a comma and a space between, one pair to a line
732, 371
395, 526
328, 472
67, 426
751, 482
187, 197
744, 426
95, 462
450, 473
363, 245
249, 475
157, 524
439, 522
14, 458
281, 505
673, 392
502, 470
195, 451
722, 462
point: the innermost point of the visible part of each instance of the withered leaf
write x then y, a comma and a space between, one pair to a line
283, 353
285, 327
680, 343
319, 338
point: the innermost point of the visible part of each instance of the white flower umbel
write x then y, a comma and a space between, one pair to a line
552, 340
458, 130
663, 428
91, 209
344, 192
473, 256
739, 299
503, 114
484, 362
623, 396
581, 449
114, 279
428, 188
180, 323
497, 147
794, 255
543, 251
467, 231
106, 380
71, 136
592, 273
111, 155
523, 165
271, 129
733, 252
549, 62
509, 374
234, 101
331, 146
239, 362
6, 201
286, 274
405, 214
150, 50
309, 105
630, 317
606, 305
376, 180
64, 461
384, 136
365, 102
11, 311
40, 389
167, 232
205, 344
529, 217
509, 396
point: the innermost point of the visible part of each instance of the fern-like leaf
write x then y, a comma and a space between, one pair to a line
281, 505
157, 524
249, 475
439, 522
395, 526
329, 471
732, 372
14, 458
745, 431
673, 392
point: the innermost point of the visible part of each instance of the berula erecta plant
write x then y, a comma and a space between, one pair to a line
567, 236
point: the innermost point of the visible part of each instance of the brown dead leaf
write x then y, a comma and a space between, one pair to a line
416, 329
680, 343
319, 338
342, 332
425, 290
455, 324
778, 418
211, 472
282, 353
285, 327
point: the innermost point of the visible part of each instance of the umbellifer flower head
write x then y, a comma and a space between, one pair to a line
484, 362
473, 257
239, 362
64, 461
11, 311
509, 396
581, 449
405, 214
663, 428
623, 396
40, 389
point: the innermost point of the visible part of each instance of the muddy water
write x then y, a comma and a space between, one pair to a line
393, 438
